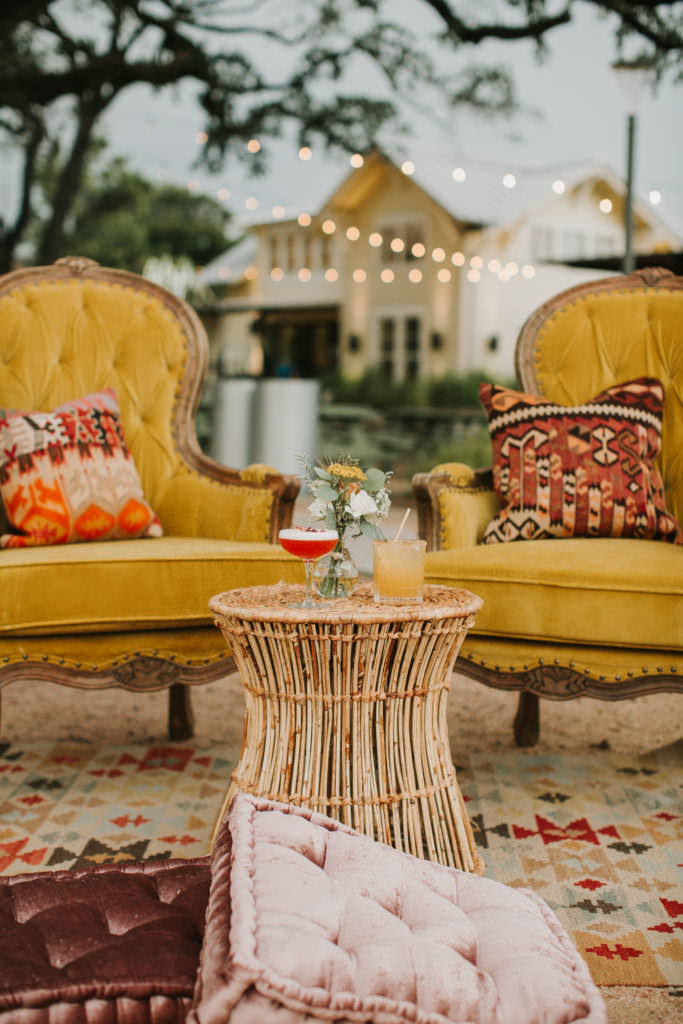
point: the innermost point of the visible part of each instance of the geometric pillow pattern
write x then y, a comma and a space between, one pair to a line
67, 476
578, 471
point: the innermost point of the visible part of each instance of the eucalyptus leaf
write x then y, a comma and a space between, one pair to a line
326, 493
370, 530
330, 520
322, 473
374, 480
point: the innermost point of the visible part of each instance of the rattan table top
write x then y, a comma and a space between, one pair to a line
271, 604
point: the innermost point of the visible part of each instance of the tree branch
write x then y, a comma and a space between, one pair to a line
458, 29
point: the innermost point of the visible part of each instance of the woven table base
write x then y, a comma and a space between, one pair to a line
346, 712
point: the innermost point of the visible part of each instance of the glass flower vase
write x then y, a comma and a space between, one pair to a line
335, 575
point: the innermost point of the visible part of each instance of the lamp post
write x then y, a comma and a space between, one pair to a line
632, 76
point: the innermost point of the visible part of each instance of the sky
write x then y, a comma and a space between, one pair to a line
578, 116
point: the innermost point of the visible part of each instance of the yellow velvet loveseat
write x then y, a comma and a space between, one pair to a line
601, 616
130, 613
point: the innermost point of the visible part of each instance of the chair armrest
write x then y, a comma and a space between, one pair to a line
212, 500
454, 505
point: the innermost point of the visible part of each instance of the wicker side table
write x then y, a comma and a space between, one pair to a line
346, 711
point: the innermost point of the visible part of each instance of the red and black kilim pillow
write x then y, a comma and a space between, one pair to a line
578, 471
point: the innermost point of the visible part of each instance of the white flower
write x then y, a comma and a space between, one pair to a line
361, 504
318, 509
383, 502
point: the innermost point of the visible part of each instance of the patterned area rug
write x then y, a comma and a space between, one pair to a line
599, 840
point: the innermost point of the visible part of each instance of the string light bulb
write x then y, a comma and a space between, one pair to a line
356, 160
305, 153
375, 239
304, 219
352, 233
605, 206
418, 250
459, 174
253, 145
415, 275
331, 274
387, 275
329, 227
304, 274
359, 275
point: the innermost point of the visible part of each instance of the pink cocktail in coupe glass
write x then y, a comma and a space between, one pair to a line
308, 543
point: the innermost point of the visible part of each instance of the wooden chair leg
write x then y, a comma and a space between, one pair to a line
180, 717
527, 720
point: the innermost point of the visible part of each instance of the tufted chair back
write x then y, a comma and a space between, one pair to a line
607, 332
75, 327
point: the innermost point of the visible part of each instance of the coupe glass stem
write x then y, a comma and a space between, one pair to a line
308, 601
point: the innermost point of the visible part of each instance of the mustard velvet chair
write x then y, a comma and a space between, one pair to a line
562, 618
130, 613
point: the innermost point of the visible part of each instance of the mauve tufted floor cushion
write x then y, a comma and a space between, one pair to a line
117, 944
310, 921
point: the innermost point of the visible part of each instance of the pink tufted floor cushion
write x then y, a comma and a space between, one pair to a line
309, 921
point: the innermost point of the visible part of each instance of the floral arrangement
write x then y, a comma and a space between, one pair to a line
349, 500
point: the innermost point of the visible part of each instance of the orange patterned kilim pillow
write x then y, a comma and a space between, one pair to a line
67, 476
578, 471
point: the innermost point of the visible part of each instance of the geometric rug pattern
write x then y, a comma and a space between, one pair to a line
601, 841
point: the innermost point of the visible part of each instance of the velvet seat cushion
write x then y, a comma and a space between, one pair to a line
310, 921
591, 590
137, 584
118, 943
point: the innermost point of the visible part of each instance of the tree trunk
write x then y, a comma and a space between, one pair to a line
11, 236
52, 238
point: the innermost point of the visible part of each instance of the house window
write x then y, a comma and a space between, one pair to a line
606, 245
404, 237
542, 243
291, 253
414, 236
387, 338
326, 252
412, 347
274, 252
574, 245
400, 346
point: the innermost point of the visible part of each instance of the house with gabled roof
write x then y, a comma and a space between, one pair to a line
416, 269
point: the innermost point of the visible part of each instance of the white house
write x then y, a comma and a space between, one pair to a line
416, 269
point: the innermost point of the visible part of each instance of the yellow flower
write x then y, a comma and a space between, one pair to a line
345, 472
